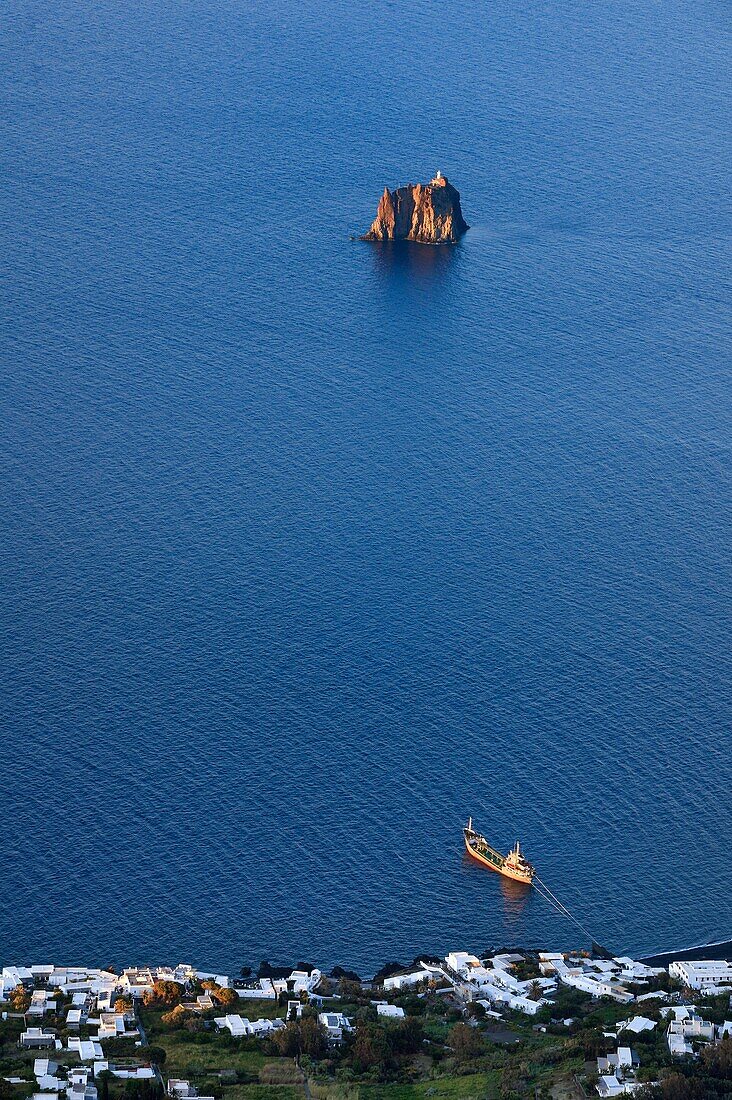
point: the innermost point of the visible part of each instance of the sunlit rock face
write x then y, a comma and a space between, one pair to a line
429, 213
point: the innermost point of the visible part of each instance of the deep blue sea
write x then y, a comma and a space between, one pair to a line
311, 548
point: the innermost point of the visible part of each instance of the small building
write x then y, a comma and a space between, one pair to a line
126, 1073
706, 975
44, 1067
104, 1000
685, 1028
609, 1086
264, 990
41, 1003
462, 962
237, 1025
302, 981
112, 1026
265, 1027
637, 1025
89, 1050
393, 1012
136, 981
79, 1086
35, 1038
335, 1023
178, 1089
15, 975
406, 979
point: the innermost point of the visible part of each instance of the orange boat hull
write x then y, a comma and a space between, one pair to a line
505, 871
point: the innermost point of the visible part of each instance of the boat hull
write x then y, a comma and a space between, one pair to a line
516, 876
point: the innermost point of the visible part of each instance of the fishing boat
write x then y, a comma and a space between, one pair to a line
514, 865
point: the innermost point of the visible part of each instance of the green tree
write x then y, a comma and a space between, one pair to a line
312, 1037
20, 999
225, 995
407, 1036
370, 1048
102, 1082
350, 990
176, 1017
716, 1060
164, 993
466, 1042
156, 1055
304, 1036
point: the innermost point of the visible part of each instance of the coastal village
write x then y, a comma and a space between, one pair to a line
511, 1024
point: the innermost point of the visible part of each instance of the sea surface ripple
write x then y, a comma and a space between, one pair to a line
310, 548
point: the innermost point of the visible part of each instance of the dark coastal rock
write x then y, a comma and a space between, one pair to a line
429, 213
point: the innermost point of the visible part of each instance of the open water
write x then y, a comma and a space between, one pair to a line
309, 549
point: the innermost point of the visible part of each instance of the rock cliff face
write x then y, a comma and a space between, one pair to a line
426, 212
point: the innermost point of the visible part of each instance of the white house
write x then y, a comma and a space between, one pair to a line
630, 970
304, 982
44, 1067
637, 1025
594, 986
79, 1086
609, 1086
707, 975
184, 1090
263, 991
685, 1028
134, 1073
392, 1011
335, 1023
623, 1059
407, 979
41, 1003
265, 1027
89, 1050
136, 981
36, 1037
525, 1004
237, 1025
50, 1083
462, 962
112, 1026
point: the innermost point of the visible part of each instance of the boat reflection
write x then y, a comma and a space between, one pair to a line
515, 896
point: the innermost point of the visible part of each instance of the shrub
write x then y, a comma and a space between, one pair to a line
466, 1042
20, 999
164, 993
225, 996
304, 1036
370, 1047
176, 1017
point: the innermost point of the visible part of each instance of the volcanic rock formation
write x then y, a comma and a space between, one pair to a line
426, 212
